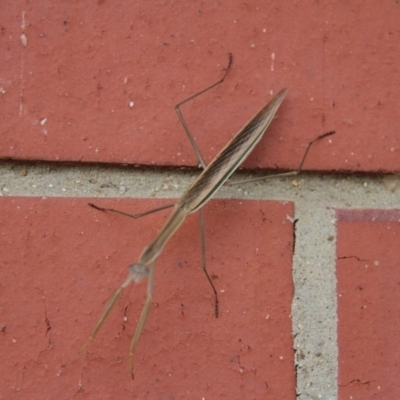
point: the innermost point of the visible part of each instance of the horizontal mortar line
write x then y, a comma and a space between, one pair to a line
344, 191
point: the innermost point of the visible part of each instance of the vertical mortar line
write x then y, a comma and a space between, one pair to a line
314, 308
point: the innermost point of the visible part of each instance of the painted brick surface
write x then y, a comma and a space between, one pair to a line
61, 260
98, 83
369, 304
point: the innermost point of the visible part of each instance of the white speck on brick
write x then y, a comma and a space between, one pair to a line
24, 39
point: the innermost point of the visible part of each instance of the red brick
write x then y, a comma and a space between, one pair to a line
339, 61
369, 303
61, 260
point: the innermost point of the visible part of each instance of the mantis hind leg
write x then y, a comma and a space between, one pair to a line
204, 264
182, 119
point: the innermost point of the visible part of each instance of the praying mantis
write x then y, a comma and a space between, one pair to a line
213, 176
